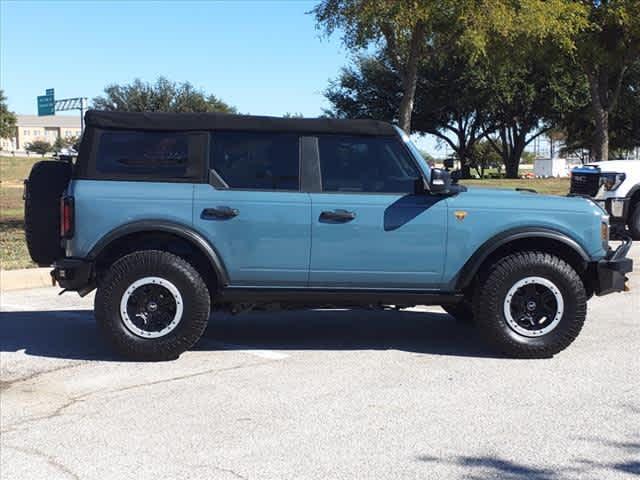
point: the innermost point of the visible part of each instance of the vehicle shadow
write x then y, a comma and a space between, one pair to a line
406, 208
419, 332
74, 335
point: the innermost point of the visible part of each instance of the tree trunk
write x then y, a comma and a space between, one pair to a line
406, 108
598, 85
464, 151
410, 78
465, 170
463, 157
601, 140
511, 167
515, 154
514, 143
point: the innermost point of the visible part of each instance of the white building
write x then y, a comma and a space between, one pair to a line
48, 128
554, 167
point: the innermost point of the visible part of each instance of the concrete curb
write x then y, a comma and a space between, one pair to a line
24, 278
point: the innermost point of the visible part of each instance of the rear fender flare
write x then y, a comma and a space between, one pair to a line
180, 230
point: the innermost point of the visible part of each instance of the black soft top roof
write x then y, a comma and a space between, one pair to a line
225, 121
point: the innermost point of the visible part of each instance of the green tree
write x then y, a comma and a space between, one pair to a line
7, 118
528, 158
624, 121
451, 104
407, 32
483, 156
64, 142
39, 146
505, 96
450, 98
162, 96
532, 89
530, 70
607, 49
463, 33
368, 88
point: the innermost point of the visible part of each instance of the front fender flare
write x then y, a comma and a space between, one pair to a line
471, 267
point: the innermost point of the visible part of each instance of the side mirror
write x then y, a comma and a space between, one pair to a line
440, 181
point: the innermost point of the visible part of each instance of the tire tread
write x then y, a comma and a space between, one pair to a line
165, 348
488, 305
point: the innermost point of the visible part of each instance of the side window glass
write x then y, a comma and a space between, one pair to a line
365, 164
261, 161
150, 154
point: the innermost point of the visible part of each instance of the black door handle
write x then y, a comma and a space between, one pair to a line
338, 215
219, 213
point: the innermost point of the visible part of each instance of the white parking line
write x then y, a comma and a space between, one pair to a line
268, 354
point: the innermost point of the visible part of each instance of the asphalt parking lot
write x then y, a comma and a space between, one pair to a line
317, 395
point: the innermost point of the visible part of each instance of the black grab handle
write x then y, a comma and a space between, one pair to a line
338, 215
219, 213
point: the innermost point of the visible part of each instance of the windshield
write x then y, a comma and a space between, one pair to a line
420, 160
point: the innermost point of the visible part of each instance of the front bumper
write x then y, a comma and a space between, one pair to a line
611, 271
73, 274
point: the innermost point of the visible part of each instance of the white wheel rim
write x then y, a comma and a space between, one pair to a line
533, 332
141, 332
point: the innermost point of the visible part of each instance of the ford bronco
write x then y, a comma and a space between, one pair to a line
171, 216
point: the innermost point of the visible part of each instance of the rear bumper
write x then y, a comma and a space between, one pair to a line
611, 271
73, 274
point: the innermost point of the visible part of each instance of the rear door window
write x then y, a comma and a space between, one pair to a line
152, 155
257, 161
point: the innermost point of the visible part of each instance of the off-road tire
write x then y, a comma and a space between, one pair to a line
46, 183
152, 263
489, 304
462, 312
634, 221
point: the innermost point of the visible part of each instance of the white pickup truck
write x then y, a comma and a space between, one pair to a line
616, 186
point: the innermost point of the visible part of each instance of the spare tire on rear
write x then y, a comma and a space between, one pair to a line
43, 189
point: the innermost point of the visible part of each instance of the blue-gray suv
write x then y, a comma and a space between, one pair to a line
171, 216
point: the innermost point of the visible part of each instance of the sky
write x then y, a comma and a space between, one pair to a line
264, 57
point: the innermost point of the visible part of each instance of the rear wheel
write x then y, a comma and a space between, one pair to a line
152, 305
530, 305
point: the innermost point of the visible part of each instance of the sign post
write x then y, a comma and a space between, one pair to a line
48, 105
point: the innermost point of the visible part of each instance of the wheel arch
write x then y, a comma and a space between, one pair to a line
174, 237
538, 239
634, 197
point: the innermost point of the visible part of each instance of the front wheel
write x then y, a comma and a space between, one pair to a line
531, 305
634, 222
152, 305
